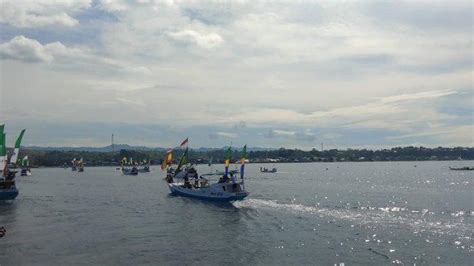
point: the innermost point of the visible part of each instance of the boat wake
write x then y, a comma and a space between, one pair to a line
419, 221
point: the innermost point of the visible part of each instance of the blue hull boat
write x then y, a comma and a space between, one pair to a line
8, 194
216, 192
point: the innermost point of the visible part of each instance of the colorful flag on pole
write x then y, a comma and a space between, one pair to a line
3, 149
183, 160
227, 157
168, 160
16, 151
184, 142
169, 157
242, 161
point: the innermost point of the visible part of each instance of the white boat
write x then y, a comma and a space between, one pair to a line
25, 167
25, 172
201, 189
129, 170
266, 170
8, 189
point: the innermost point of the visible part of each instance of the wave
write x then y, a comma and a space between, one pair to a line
419, 221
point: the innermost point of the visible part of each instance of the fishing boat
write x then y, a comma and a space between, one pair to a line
130, 170
128, 167
227, 189
266, 170
214, 192
80, 165
8, 189
74, 165
144, 167
465, 168
25, 167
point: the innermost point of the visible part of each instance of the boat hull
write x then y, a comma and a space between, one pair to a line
8, 194
128, 172
461, 168
204, 194
143, 170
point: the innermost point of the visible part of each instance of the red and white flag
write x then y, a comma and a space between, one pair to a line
184, 142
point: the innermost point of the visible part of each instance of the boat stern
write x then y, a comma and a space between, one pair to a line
8, 194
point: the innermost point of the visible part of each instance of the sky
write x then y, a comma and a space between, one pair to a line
295, 74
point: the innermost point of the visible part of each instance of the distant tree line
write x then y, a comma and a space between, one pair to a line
60, 158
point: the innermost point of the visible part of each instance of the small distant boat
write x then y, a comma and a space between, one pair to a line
266, 170
130, 170
74, 165
25, 172
144, 169
80, 165
465, 168
25, 167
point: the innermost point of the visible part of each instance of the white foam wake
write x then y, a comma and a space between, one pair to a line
389, 216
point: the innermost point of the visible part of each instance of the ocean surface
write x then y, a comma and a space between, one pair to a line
306, 214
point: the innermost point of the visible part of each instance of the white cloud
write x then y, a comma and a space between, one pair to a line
31, 14
59, 56
24, 49
226, 134
203, 40
279, 132
283, 66
112, 5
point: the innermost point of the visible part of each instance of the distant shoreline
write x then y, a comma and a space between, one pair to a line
60, 158
275, 163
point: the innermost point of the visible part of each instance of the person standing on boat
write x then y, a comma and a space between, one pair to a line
233, 179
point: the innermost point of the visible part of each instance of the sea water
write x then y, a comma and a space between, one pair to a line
370, 213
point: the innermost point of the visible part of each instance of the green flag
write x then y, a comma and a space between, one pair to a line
228, 153
3, 150
244, 152
242, 161
2, 137
183, 160
16, 151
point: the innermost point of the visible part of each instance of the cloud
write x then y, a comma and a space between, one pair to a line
338, 69
34, 14
306, 136
278, 132
203, 40
59, 56
24, 49
222, 134
112, 5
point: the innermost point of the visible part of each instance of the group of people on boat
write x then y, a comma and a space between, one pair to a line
267, 170
189, 175
3, 231
232, 179
131, 167
184, 180
77, 165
